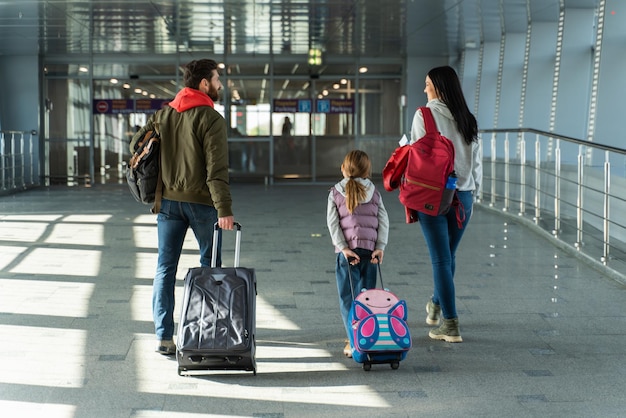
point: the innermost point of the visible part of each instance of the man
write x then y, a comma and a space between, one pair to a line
196, 192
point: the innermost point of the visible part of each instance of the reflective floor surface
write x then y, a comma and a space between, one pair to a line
544, 334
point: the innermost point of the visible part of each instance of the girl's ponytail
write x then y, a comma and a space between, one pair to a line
356, 165
355, 193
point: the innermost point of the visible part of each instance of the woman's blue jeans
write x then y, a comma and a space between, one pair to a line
173, 220
363, 277
443, 236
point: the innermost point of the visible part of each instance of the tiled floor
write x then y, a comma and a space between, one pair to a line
544, 335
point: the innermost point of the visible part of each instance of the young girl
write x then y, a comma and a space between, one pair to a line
359, 227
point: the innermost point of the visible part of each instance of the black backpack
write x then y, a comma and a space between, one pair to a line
143, 171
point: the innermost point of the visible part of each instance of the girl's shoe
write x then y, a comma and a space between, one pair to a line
347, 350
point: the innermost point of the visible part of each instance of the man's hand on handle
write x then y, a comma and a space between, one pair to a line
227, 222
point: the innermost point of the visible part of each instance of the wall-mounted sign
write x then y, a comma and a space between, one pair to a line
125, 106
321, 106
335, 106
292, 105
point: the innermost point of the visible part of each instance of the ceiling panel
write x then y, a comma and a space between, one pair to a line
373, 28
145, 39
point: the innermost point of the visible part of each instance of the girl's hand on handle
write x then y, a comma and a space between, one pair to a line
377, 256
351, 256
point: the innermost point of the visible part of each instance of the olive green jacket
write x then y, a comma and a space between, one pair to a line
194, 156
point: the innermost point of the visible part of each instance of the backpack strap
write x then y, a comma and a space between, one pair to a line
459, 210
429, 121
158, 195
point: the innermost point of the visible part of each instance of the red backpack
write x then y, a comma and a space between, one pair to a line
421, 170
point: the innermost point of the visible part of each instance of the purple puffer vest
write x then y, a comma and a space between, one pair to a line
361, 227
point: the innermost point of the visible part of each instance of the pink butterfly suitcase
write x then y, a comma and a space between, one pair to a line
380, 334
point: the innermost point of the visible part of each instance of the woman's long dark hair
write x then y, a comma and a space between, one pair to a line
448, 88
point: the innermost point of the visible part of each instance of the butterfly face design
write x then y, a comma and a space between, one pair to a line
377, 300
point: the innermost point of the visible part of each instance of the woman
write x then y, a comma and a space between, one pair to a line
442, 233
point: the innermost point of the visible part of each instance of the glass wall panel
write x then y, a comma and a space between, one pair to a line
258, 145
68, 151
249, 157
379, 107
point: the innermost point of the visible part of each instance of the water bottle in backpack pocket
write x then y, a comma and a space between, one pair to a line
448, 194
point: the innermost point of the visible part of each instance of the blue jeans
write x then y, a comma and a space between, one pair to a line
363, 277
173, 220
443, 236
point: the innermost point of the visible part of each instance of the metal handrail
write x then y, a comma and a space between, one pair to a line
557, 136
553, 188
17, 160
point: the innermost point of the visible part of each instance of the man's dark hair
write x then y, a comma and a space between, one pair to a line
196, 70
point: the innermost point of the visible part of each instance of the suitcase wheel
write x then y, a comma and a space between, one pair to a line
367, 366
395, 365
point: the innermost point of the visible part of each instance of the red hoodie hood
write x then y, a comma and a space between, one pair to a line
188, 98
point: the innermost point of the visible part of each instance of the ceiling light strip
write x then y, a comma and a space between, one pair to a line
525, 65
461, 39
479, 73
596, 71
500, 66
481, 56
557, 64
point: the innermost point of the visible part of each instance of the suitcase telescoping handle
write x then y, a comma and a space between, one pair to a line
380, 276
214, 249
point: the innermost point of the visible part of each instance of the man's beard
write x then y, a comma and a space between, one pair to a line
213, 93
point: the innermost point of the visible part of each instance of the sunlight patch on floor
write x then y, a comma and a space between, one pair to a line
272, 318
147, 219
76, 234
9, 254
145, 265
275, 362
46, 298
62, 364
22, 231
92, 219
290, 350
145, 236
31, 409
60, 262
360, 396
31, 218
141, 303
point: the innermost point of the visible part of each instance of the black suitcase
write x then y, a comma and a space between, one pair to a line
217, 324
